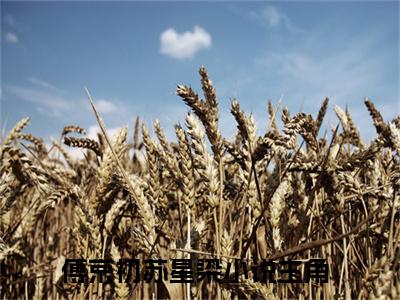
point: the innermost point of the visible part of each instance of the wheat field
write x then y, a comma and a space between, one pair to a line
289, 193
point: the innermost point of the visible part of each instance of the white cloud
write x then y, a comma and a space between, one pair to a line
273, 17
11, 38
9, 20
51, 100
42, 83
42, 98
95, 129
311, 71
338, 75
104, 106
184, 45
49, 97
345, 76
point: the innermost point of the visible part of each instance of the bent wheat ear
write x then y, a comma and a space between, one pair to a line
72, 128
85, 143
14, 133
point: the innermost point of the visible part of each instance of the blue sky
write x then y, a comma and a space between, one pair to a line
131, 56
